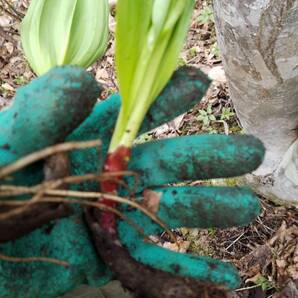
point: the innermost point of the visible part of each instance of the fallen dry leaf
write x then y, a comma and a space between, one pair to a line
9, 47
101, 75
257, 261
179, 246
5, 21
7, 87
151, 200
289, 291
217, 73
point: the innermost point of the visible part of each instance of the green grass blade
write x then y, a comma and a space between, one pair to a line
174, 47
133, 20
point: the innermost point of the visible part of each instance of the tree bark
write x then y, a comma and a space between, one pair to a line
258, 40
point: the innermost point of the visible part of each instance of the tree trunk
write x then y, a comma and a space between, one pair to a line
258, 40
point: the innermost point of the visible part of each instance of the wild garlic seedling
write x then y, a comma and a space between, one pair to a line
60, 32
149, 37
206, 16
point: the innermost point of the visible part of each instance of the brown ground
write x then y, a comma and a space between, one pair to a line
265, 252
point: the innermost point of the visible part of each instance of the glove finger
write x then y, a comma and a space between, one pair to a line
186, 265
191, 207
45, 111
199, 207
186, 88
194, 158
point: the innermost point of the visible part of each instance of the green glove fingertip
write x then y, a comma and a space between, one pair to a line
194, 158
45, 111
186, 265
200, 207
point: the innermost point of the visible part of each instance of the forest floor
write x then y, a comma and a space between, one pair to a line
266, 251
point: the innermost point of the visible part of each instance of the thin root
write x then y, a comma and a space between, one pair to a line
37, 197
86, 203
33, 259
87, 195
38, 155
49, 187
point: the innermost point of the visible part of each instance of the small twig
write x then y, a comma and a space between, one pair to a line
235, 240
16, 14
33, 259
247, 288
226, 126
274, 268
7, 11
38, 155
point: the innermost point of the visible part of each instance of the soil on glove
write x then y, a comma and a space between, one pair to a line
266, 251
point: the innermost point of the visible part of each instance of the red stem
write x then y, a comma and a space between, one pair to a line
115, 162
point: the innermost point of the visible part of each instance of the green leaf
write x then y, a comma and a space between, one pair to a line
56, 32
149, 37
206, 16
209, 109
206, 121
169, 61
133, 20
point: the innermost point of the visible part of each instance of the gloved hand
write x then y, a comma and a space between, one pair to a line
49, 108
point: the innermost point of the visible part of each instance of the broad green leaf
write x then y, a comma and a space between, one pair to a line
149, 37
133, 21
159, 15
174, 47
58, 32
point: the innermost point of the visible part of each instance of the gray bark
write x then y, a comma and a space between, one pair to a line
258, 40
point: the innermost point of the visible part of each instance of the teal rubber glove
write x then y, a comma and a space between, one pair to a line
43, 113
169, 160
